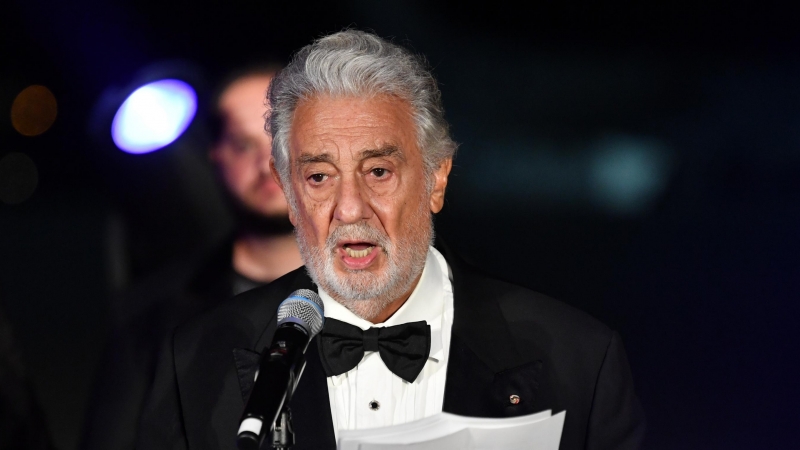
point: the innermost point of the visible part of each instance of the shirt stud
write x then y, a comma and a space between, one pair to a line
513, 399
374, 405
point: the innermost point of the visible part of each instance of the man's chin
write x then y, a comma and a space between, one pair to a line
361, 299
253, 220
358, 285
257, 222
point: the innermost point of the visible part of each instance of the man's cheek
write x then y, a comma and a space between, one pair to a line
315, 226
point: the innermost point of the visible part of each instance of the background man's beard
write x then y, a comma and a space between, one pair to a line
365, 293
253, 222
250, 221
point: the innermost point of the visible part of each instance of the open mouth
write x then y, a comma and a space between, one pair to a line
358, 250
358, 247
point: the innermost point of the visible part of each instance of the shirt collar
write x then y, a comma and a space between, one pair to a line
425, 303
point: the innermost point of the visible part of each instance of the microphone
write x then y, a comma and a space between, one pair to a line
300, 318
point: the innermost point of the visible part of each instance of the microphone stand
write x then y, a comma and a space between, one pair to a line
282, 431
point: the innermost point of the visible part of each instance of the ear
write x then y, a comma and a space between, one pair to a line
278, 180
440, 184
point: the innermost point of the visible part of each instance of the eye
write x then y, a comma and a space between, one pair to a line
379, 172
239, 144
318, 178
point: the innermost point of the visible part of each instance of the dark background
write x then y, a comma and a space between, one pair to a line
640, 161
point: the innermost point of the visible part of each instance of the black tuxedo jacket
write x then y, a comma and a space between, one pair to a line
506, 340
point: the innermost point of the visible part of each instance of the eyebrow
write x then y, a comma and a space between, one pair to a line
306, 159
383, 152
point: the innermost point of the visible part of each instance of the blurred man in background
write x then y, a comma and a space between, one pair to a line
261, 249
264, 247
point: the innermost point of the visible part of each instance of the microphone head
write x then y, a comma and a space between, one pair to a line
305, 308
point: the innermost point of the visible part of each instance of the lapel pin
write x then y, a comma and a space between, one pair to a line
513, 399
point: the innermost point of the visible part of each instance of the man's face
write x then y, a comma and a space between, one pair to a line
363, 202
243, 153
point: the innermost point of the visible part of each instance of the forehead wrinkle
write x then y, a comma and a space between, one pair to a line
384, 151
317, 129
344, 123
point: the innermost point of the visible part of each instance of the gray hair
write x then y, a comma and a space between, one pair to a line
356, 63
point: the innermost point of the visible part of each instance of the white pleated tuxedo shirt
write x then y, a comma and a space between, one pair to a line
370, 395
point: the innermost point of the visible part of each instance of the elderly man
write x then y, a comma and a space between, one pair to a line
363, 154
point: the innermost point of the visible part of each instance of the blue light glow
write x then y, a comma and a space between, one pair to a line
154, 116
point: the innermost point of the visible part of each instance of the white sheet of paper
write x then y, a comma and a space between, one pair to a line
539, 431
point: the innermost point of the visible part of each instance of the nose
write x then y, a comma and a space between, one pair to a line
352, 203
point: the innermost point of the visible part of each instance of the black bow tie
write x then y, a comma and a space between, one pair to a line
403, 348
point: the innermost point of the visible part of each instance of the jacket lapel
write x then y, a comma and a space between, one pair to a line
483, 359
247, 362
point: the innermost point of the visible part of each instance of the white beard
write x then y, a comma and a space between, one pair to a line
366, 293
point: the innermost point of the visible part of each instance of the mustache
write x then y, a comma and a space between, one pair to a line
360, 231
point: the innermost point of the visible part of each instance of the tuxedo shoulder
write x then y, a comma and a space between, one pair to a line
527, 311
527, 304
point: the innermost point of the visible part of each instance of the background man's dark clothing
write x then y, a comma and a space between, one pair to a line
144, 317
506, 340
22, 424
